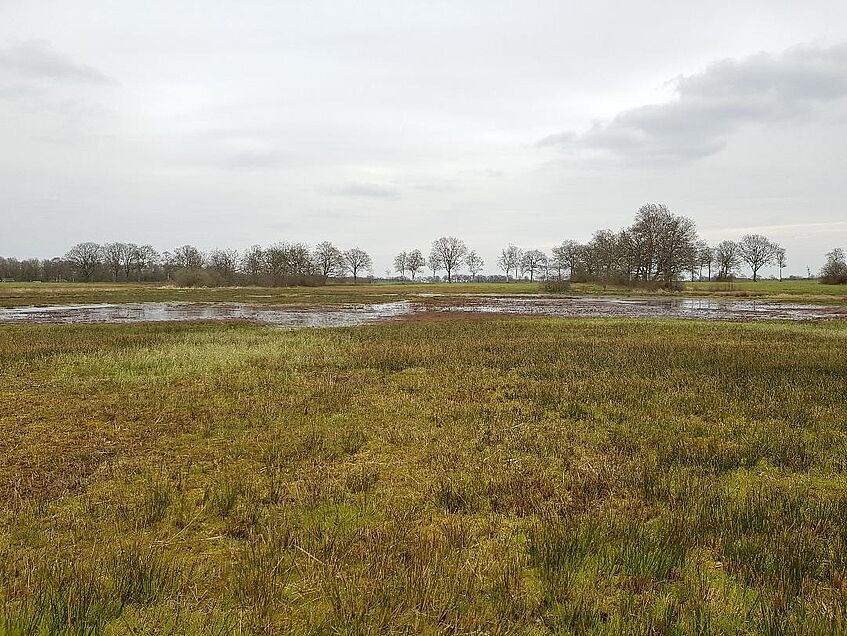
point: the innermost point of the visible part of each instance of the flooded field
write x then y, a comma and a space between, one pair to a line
294, 317
629, 307
349, 315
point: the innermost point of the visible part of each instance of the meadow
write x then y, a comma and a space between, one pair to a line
459, 475
21, 294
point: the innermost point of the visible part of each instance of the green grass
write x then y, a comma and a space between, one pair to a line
439, 477
21, 294
803, 290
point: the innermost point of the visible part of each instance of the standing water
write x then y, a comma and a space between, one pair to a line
349, 315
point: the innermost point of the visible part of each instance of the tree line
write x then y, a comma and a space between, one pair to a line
659, 248
276, 265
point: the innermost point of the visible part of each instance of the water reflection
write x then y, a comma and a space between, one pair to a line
349, 315
162, 312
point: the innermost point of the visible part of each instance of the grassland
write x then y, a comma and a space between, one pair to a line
20, 294
455, 476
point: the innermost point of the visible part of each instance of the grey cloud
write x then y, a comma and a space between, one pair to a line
364, 190
713, 105
37, 60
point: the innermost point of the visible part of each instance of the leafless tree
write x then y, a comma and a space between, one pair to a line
834, 271
328, 259
401, 263
433, 262
85, 258
757, 251
451, 252
475, 263
781, 258
224, 263
662, 244
415, 262
706, 258
188, 257
114, 256
532, 262
144, 257
356, 260
288, 263
726, 258
510, 259
252, 262
602, 254
130, 254
566, 257
696, 264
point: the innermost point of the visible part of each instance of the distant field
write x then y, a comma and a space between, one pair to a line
18, 294
800, 288
459, 476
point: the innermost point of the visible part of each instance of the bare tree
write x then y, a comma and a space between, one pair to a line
224, 263
188, 257
510, 259
401, 264
781, 258
84, 257
834, 271
434, 264
288, 263
328, 259
602, 254
475, 263
144, 257
662, 244
130, 254
451, 252
533, 261
726, 258
252, 262
566, 256
356, 260
114, 256
706, 258
415, 262
757, 251
696, 264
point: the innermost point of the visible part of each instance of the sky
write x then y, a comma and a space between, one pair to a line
386, 124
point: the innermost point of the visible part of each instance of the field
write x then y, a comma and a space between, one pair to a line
450, 476
19, 294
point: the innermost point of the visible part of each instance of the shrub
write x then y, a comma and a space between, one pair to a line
193, 278
555, 286
834, 272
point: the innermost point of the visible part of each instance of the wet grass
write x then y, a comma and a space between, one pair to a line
41, 294
789, 290
21, 294
436, 477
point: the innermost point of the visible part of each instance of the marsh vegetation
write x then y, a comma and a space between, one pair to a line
461, 475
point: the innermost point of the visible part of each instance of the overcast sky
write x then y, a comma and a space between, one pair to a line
388, 124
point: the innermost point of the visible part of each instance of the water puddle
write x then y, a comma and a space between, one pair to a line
643, 307
350, 315
294, 317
